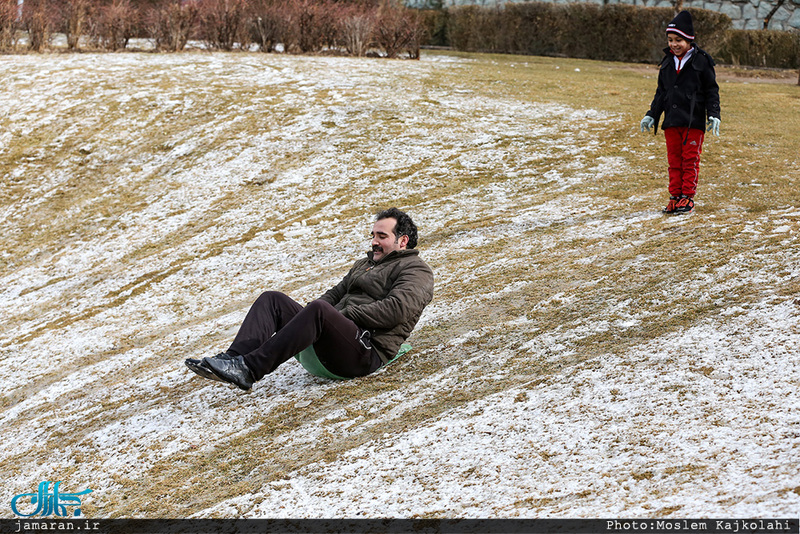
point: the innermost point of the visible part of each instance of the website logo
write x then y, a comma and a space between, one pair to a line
47, 503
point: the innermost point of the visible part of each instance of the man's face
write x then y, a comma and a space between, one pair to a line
678, 44
383, 239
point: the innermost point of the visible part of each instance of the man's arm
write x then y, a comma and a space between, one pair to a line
335, 294
410, 293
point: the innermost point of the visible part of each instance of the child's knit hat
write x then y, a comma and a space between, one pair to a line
682, 25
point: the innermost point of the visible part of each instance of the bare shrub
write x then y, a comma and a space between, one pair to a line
171, 24
398, 30
73, 18
223, 24
270, 24
8, 25
315, 24
115, 24
38, 22
329, 22
356, 31
309, 26
306, 13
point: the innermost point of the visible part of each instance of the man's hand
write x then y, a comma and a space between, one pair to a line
647, 123
713, 125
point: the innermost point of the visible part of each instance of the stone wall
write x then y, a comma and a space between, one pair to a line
745, 14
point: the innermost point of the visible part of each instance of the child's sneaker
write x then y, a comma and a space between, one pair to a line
673, 203
684, 205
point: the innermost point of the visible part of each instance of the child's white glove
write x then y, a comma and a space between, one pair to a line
647, 123
713, 125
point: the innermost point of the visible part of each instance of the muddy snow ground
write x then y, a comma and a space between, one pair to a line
148, 199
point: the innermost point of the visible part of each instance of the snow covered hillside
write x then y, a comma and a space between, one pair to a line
584, 356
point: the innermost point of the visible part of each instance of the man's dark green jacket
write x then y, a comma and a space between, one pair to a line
385, 297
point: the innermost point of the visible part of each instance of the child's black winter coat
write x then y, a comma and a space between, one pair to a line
691, 93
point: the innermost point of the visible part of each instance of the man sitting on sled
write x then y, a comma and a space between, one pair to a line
353, 329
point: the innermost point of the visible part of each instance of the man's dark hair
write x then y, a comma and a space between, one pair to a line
404, 226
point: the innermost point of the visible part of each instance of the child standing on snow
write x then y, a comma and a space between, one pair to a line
687, 93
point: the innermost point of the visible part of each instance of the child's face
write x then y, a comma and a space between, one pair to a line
678, 44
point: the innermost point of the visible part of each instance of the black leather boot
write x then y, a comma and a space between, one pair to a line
233, 370
201, 369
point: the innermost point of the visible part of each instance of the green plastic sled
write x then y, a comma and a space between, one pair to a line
309, 360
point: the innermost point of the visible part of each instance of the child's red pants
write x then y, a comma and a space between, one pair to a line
683, 159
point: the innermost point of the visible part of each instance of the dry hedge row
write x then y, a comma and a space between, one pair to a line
383, 27
761, 48
613, 32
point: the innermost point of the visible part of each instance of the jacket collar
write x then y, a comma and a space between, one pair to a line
393, 255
